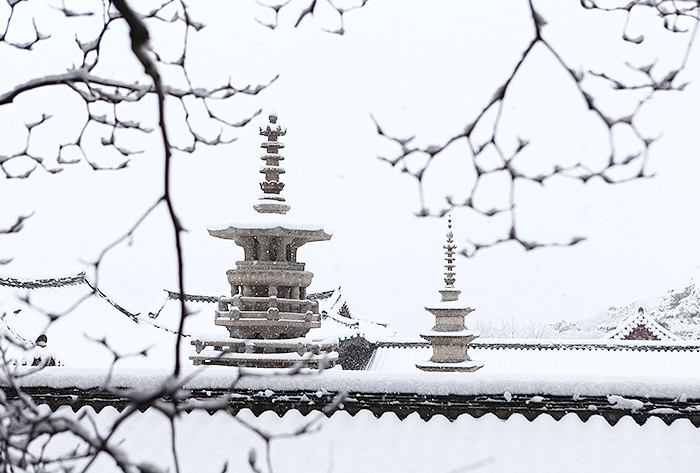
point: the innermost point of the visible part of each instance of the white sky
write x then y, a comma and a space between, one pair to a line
423, 70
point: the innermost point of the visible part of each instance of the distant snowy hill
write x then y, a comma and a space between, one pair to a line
678, 311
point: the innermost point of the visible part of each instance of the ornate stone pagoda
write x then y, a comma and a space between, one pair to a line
450, 336
268, 316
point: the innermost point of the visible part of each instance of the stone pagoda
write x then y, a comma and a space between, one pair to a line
450, 337
268, 316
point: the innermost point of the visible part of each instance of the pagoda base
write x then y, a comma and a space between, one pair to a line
299, 352
463, 366
264, 360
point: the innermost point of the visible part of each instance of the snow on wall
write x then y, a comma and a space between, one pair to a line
343, 443
336, 380
582, 362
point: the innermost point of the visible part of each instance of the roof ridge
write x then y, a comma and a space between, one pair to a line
48, 282
321, 295
79, 278
104, 296
606, 345
192, 297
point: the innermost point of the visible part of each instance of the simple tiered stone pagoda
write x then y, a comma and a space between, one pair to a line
268, 316
449, 337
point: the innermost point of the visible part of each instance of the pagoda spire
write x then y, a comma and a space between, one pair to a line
450, 248
271, 201
450, 293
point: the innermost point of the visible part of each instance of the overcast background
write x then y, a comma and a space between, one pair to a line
424, 70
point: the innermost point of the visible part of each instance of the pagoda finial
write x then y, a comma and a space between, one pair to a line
450, 248
272, 201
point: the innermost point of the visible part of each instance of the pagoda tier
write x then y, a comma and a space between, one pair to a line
268, 289
271, 201
450, 336
266, 353
267, 314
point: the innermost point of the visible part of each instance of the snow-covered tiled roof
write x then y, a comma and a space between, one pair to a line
339, 321
641, 321
85, 315
76, 317
200, 318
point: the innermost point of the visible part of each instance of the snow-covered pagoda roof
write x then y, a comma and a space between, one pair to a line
266, 225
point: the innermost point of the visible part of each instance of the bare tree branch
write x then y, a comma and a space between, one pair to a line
634, 164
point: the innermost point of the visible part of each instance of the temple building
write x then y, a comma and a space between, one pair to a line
268, 315
640, 327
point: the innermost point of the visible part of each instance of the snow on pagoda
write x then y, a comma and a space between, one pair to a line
449, 337
268, 316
